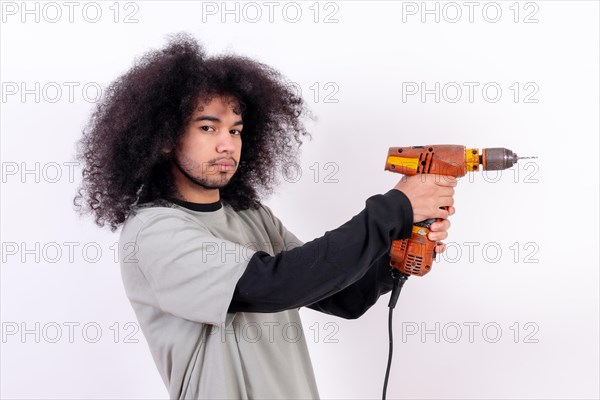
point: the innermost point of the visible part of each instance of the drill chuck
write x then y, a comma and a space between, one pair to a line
497, 158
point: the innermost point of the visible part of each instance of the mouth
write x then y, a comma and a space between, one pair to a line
224, 165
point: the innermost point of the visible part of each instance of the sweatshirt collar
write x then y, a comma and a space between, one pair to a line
203, 207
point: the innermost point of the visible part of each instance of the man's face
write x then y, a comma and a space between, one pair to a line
208, 152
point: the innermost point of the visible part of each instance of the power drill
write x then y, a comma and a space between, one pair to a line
415, 256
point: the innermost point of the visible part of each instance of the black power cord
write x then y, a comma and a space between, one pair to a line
399, 279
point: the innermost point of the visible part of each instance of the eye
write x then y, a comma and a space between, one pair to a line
235, 132
207, 128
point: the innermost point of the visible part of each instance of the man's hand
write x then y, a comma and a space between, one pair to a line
428, 193
439, 231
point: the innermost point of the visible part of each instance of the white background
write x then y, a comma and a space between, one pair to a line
534, 288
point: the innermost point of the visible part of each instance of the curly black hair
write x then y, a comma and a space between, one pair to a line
147, 109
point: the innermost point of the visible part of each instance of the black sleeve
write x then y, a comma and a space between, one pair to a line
324, 266
356, 299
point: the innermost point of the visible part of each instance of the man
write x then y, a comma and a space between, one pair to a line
178, 153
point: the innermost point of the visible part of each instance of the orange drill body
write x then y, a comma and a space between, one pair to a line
447, 159
415, 256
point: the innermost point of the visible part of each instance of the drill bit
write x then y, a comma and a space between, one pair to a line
530, 157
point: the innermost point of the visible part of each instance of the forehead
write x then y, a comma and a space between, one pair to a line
218, 104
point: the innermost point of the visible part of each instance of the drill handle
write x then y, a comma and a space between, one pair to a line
415, 256
427, 223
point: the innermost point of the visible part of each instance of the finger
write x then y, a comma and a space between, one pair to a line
446, 180
446, 201
440, 248
435, 236
451, 210
446, 192
443, 225
443, 205
440, 213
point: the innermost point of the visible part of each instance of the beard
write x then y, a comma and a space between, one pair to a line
207, 182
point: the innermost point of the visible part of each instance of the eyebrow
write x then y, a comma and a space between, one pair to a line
214, 119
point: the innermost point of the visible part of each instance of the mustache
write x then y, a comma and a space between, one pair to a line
216, 160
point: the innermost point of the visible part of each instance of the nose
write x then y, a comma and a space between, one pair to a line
225, 143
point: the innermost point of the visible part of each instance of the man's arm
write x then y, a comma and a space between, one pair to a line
325, 266
357, 298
